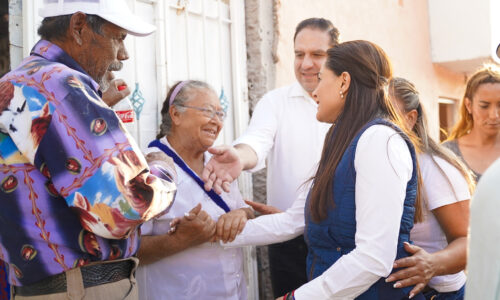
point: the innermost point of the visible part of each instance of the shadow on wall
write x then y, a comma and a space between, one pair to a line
4, 37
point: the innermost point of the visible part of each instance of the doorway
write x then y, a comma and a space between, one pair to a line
447, 116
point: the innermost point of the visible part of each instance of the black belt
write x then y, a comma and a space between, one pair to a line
92, 275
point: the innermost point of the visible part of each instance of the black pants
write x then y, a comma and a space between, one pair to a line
287, 262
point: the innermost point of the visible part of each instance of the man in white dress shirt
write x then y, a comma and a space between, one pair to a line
284, 130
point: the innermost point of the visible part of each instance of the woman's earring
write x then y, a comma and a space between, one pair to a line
341, 94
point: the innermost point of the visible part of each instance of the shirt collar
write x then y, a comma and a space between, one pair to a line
52, 52
298, 91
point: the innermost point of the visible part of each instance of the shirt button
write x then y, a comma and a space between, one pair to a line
338, 249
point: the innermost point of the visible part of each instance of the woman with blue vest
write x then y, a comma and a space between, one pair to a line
439, 254
361, 206
363, 200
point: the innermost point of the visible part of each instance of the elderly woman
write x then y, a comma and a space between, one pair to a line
476, 136
178, 258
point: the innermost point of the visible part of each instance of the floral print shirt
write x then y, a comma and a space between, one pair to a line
74, 186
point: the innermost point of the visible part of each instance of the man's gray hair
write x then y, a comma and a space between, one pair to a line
55, 28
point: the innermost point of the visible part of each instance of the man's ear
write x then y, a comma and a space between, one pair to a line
77, 23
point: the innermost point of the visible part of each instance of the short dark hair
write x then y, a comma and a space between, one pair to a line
55, 28
320, 24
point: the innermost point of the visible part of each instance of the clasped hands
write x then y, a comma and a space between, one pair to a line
197, 227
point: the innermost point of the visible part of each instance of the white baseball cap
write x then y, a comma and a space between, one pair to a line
113, 11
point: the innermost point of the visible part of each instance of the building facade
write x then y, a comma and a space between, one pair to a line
244, 48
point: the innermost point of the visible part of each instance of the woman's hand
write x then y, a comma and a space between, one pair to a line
231, 224
418, 269
422, 266
262, 208
196, 227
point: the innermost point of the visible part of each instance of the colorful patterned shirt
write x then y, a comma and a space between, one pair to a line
74, 186
4, 284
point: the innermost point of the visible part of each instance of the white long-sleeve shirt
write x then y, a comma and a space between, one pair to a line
284, 130
383, 168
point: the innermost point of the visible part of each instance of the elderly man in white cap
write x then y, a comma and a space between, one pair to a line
74, 186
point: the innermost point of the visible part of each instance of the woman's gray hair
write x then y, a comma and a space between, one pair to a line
184, 95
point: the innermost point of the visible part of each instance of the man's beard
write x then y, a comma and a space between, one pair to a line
105, 81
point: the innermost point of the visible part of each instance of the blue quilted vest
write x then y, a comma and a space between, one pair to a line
333, 237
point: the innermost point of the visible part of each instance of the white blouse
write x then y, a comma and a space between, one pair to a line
439, 190
383, 168
206, 271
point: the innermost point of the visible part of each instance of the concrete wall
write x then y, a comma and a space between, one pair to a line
400, 27
4, 38
15, 32
464, 35
261, 47
470, 39
261, 37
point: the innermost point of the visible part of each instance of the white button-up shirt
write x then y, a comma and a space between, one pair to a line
284, 129
206, 271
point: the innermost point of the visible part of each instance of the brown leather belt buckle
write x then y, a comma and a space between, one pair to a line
93, 275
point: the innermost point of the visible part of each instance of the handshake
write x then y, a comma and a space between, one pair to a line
197, 227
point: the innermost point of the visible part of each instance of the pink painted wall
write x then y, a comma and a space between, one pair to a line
400, 27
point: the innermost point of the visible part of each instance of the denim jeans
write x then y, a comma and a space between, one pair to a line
435, 295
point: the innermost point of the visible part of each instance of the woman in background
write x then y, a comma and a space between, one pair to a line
440, 241
476, 136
